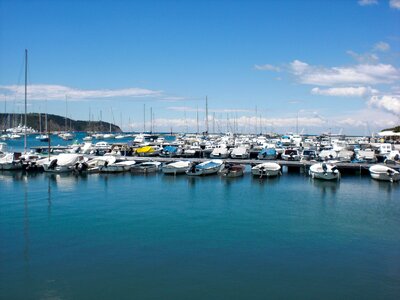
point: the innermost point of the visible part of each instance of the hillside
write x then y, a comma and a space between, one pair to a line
394, 129
55, 123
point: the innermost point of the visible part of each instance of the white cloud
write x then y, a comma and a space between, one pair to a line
360, 91
58, 92
382, 46
389, 103
394, 4
267, 67
298, 67
365, 58
358, 74
367, 2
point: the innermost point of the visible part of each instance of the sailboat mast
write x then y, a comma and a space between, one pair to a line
144, 118
197, 120
26, 93
206, 115
66, 113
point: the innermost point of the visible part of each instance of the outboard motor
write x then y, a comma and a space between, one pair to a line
325, 167
52, 164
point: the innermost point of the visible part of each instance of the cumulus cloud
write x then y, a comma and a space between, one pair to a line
358, 74
394, 4
367, 2
58, 92
267, 67
389, 103
360, 91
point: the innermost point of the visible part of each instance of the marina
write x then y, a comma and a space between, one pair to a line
199, 150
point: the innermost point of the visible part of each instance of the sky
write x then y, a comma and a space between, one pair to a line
310, 66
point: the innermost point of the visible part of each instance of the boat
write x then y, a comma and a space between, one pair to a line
291, 154
205, 168
308, 155
232, 170
62, 163
170, 151
10, 161
92, 166
220, 151
109, 136
147, 151
268, 169
324, 171
117, 167
87, 138
345, 155
147, 167
384, 173
367, 155
267, 153
327, 154
178, 167
240, 152
67, 136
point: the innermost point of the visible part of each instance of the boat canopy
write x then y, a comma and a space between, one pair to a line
145, 149
170, 149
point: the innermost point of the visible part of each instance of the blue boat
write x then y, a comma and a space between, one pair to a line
267, 153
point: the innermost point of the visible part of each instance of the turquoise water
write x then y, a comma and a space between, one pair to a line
162, 237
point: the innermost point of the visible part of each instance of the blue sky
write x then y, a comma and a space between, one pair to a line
334, 64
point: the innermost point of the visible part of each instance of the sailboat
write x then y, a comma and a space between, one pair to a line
42, 136
66, 136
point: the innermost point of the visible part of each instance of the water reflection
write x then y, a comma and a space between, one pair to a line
26, 233
64, 181
326, 186
9, 177
385, 186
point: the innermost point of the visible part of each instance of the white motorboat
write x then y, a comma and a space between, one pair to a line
291, 154
367, 155
43, 137
10, 161
384, 173
147, 167
205, 168
220, 151
240, 152
178, 167
67, 136
268, 169
327, 154
109, 136
88, 138
324, 171
61, 163
92, 166
116, 167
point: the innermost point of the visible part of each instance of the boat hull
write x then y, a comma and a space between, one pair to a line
266, 170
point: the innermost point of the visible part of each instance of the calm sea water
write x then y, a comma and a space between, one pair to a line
162, 237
